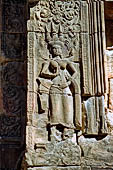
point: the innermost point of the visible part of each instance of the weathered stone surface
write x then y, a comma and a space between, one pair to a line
87, 79
60, 12
111, 93
30, 140
66, 68
12, 99
95, 114
110, 120
62, 168
14, 17
109, 54
97, 152
85, 168
58, 82
13, 46
10, 126
57, 168
61, 153
15, 76
84, 17
101, 168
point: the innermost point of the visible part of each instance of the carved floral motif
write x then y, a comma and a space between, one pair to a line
65, 13
14, 99
10, 126
13, 88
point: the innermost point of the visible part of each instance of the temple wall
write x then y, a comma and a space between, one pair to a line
13, 45
69, 101
60, 52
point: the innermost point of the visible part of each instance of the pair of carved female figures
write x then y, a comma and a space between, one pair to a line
58, 77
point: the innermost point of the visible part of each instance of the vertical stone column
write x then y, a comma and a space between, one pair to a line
94, 65
13, 19
93, 48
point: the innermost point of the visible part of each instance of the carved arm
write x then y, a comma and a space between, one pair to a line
46, 73
72, 71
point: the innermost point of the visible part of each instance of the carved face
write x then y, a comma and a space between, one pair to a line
56, 50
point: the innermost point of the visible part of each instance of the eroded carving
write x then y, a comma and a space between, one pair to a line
58, 12
95, 116
13, 21
63, 64
10, 126
13, 46
13, 88
58, 85
14, 100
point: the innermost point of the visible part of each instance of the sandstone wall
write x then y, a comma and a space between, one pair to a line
13, 40
69, 125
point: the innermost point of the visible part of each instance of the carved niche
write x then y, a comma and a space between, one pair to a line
58, 63
56, 41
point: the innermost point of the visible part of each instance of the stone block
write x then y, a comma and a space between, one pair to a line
65, 153
57, 168
98, 153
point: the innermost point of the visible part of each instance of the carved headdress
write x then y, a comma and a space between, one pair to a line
54, 37
56, 43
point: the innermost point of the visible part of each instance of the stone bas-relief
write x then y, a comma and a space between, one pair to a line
63, 105
59, 73
58, 78
64, 13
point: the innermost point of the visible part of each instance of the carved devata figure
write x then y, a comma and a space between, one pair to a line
58, 77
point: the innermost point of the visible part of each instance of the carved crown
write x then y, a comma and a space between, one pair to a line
54, 37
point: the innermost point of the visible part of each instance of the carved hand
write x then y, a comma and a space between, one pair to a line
64, 85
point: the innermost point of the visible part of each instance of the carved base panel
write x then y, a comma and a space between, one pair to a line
50, 154
88, 154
